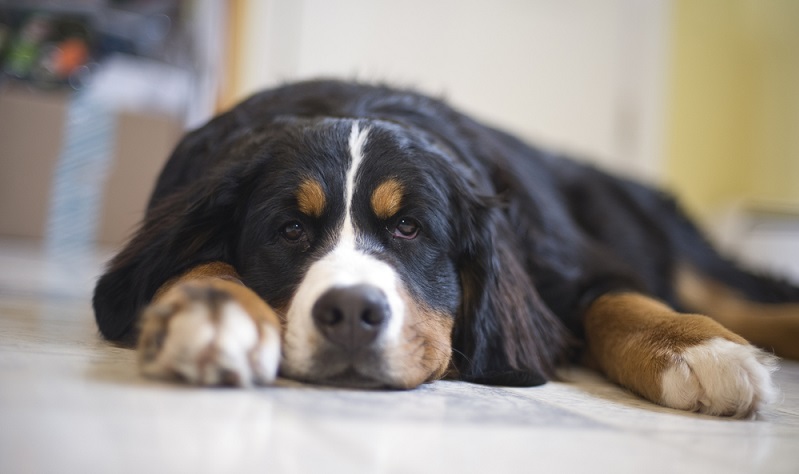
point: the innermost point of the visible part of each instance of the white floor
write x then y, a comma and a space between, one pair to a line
70, 402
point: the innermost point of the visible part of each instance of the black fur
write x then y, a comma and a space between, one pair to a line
521, 241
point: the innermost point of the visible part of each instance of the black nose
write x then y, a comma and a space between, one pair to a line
352, 316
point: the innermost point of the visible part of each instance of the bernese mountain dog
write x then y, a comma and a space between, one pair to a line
356, 235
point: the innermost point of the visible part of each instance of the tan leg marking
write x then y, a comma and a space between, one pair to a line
773, 327
683, 361
206, 327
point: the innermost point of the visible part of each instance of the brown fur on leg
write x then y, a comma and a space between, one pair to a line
633, 339
774, 327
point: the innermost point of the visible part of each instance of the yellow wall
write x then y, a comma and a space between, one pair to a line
733, 125
236, 25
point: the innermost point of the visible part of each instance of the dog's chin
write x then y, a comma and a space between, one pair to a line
352, 378
348, 377
345, 374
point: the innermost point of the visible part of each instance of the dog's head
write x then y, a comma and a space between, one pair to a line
378, 243
349, 234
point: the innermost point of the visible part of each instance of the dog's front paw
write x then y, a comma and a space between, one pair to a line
210, 333
719, 377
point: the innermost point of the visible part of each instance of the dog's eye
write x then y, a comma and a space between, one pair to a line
293, 231
407, 228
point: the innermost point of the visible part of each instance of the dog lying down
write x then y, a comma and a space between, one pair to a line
361, 236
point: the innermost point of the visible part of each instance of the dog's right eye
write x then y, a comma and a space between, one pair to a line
293, 231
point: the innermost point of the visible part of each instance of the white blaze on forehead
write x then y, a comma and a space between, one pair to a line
357, 142
345, 265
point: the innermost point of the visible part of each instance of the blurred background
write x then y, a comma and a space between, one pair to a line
700, 97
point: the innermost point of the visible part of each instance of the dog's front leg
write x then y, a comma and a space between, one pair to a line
683, 361
206, 327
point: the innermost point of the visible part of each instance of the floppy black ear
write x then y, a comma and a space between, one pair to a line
197, 224
504, 334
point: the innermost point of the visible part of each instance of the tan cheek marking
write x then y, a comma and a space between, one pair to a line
311, 198
387, 198
436, 329
426, 348
634, 338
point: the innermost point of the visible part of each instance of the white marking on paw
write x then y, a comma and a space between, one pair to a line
208, 352
720, 377
265, 357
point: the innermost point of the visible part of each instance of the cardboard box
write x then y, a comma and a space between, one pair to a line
31, 136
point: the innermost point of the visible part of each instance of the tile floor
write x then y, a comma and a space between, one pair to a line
71, 403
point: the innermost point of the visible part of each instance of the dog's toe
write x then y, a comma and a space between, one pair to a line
719, 377
207, 338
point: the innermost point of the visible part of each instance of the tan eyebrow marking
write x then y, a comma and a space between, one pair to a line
387, 198
311, 198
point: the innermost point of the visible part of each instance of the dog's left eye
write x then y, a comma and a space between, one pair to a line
293, 231
407, 228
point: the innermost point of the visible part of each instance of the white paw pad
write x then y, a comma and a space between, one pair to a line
719, 377
208, 344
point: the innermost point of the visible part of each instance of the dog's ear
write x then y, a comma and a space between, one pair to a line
194, 225
504, 333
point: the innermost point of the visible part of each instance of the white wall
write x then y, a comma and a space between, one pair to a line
582, 76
